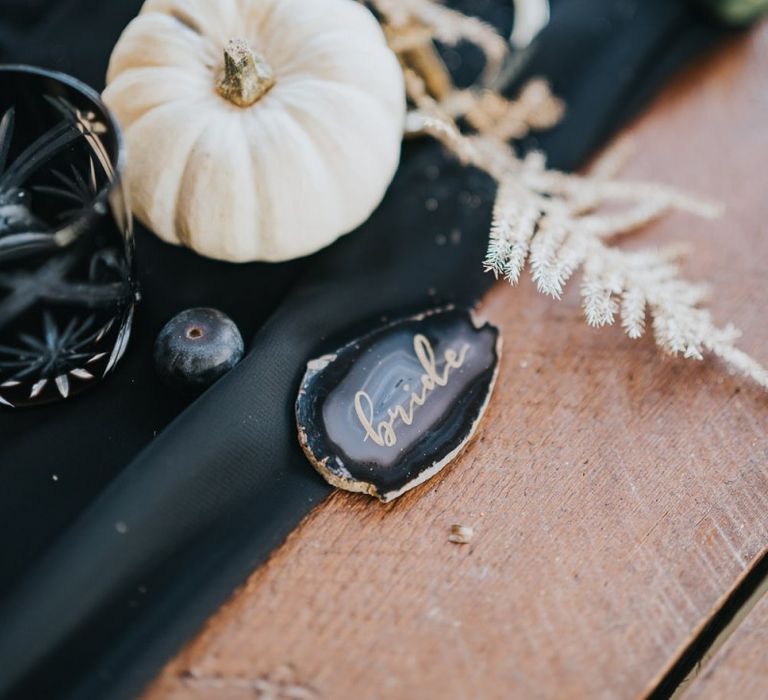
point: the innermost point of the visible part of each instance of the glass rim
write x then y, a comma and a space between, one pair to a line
118, 162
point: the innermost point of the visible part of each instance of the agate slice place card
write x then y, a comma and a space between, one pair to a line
389, 410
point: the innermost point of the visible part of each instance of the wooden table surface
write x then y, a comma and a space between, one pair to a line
739, 669
618, 498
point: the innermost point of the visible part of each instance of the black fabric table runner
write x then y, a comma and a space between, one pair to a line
126, 515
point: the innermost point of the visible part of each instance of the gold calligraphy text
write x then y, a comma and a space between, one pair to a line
383, 433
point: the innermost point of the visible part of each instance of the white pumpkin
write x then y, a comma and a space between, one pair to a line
268, 147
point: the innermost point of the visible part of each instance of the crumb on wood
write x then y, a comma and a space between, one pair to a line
461, 534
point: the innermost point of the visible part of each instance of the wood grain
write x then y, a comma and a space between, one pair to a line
616, 497
739, 669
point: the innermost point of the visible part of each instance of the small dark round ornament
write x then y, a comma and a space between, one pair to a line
197, 347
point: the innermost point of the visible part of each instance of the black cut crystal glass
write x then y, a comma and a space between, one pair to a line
67, 277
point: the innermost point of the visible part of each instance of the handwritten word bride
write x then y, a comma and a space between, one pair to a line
383, 433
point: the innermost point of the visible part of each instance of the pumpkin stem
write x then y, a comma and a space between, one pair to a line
247, 75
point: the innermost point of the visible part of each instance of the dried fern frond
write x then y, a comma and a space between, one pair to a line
493, 115
555, 222
441, 24
531, 16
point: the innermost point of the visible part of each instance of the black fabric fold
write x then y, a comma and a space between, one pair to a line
101, 584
